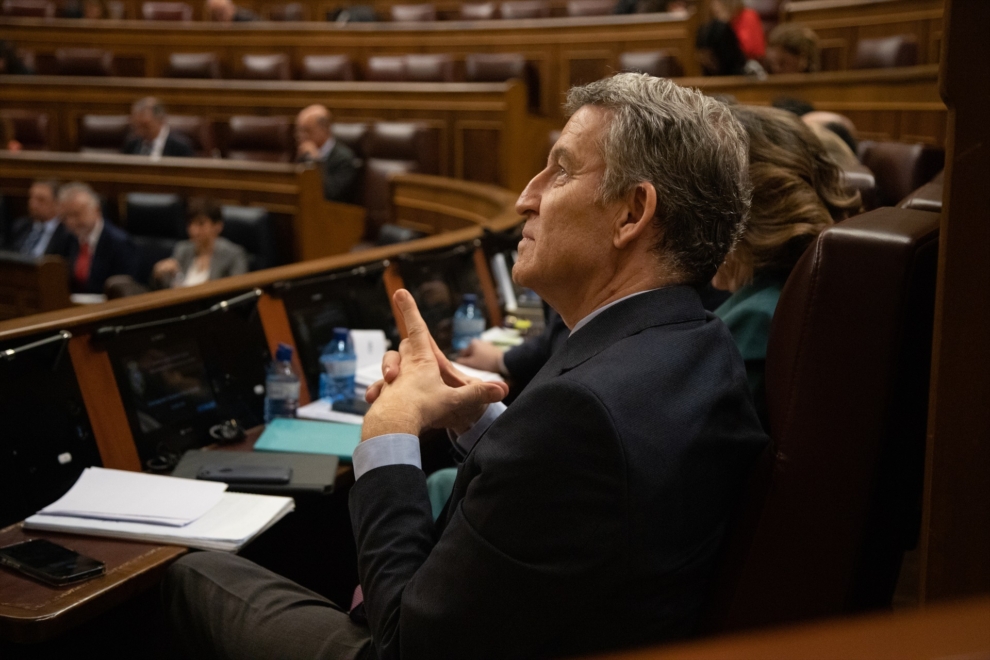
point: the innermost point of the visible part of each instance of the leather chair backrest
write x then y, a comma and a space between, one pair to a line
385, 68
769, 11
516, 9
199, 130
478, 11
928, 197
390, 234
327, 67
103, 133
494, 67
590, 7
292, 11
886, 52
835, 500
259, 138
274, 66
899, 168
83, 62
30, 127
658, 63
193, 65
394, 148
30, 8
429, 67
161, 215
860, 179
251, 228
351, 134
406, 13
166, 11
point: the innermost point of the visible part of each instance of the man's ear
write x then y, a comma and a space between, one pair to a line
639, 209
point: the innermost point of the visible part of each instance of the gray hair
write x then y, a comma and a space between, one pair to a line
149, 103
76, 188
694, 153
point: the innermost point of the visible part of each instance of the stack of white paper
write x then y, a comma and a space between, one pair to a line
368, 375
145, 507
322, 410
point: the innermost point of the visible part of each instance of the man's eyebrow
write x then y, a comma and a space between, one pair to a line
561, 155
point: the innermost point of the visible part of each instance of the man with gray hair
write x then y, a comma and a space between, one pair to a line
100, 249
151, 135
588, 514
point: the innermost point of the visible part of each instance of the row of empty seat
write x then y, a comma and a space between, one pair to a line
294, 11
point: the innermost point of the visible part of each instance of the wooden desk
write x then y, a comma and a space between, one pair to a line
564, 51
484, 130
33, 612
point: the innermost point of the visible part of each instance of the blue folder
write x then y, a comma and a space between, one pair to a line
308, 437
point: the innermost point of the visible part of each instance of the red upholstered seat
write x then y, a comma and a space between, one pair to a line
407, 13
886, 52
83, 62
394, 148
103, 133
199, 130
429, 67
385, 68
835, 500
327, 67
259, 138
900, 168
193, 65
266, 67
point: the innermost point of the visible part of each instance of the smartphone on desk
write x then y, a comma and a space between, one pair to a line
50, 563
246, 474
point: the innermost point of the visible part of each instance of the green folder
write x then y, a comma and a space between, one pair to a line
309, 437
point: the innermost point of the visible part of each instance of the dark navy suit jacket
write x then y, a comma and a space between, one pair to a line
115, 254
176, 144
20, 229
590, 514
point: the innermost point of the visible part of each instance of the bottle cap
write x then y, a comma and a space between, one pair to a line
470, 298
283, 353
340, 333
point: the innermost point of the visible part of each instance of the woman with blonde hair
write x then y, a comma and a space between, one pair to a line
797, 193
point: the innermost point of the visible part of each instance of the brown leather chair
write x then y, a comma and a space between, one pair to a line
658, 63
292, 11
193, 65
103, 133
928, 197
260, 138
199, 130
429, 67
327, 67
899, 168
886, 52
29, 8
478, 11
353, 134
274, 66
166, 11
385, 68
394, 148
590, 7
410, 13
836, 499
518, 9
860, 179
494, 67
30, 127
769, 11
83, 62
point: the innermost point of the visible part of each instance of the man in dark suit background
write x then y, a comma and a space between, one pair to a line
588, 515
315, 140
152, 136
98, 249
39, 232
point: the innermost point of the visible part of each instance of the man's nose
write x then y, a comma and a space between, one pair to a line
529, 199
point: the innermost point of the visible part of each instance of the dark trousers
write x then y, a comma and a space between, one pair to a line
222, 606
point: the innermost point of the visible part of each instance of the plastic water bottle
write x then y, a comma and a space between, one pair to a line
339, 364
281, 386
469, 322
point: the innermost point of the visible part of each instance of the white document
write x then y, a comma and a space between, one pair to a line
232, 523
137, 497
372, 373
369, 347
322, 410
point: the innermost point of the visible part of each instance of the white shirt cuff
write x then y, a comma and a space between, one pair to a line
388, 449
467, 440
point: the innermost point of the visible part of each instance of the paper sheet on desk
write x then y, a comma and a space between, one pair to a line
369, 347
370, 374
119, 495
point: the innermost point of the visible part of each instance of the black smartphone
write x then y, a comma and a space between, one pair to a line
353, 406
246, 474
50, 563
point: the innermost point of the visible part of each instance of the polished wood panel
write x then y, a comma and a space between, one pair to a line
558, 48
32, 612
29, 286
476, 123
956, 630
275, 322
106, 411
955, 537
840, 24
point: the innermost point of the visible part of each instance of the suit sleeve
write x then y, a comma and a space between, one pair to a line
523, 362
338, 177
516, 555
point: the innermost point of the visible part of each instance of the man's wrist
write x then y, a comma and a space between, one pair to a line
385, 422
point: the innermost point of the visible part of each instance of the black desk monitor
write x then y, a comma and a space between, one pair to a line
45, 436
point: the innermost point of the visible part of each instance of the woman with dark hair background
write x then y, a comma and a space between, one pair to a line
797, 193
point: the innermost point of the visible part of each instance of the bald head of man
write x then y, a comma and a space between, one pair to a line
312, 131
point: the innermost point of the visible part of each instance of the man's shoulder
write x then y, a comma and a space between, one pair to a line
340, 153
179, 144
116, 235
132, 146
